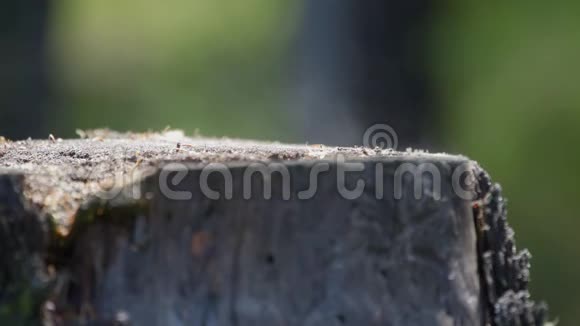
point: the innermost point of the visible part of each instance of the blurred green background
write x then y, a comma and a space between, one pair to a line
212, 66
511, 78
505, 79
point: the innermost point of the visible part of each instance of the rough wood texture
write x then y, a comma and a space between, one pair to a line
70, 255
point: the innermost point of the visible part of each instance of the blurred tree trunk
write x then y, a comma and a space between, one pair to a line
366, 62
24, 85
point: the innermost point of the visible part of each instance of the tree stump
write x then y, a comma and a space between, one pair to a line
159, 229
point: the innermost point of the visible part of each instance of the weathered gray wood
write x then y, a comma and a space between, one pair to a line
72, 255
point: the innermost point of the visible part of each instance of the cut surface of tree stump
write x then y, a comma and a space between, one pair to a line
159, 229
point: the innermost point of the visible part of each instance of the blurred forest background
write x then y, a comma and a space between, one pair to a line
498, 82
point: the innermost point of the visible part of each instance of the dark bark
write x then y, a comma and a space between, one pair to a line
504, 271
